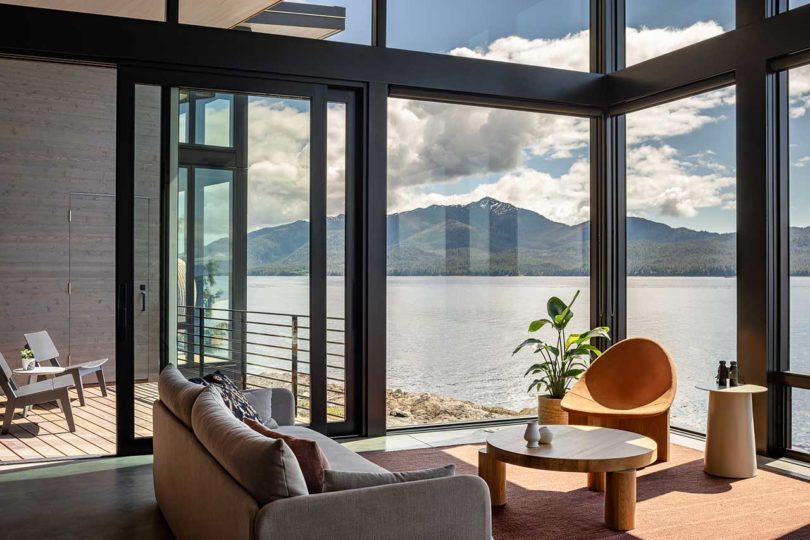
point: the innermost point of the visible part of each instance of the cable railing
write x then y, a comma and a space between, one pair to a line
261, 349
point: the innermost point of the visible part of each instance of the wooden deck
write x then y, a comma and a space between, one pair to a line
44, 434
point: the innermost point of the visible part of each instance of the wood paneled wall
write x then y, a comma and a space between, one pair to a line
57, 138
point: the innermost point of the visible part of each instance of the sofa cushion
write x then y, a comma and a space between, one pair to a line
231, 394
265, 467
342, 480
309, 455
340, 458
177, 393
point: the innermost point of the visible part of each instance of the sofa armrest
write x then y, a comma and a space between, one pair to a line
455, 508
276, 403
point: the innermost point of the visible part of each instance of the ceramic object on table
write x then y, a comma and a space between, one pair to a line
532, 434
546, 435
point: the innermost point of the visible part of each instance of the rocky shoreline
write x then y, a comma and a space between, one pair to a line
414, 408
404, 408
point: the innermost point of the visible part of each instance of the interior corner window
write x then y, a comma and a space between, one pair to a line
348, 21
551, 33
153, 10
681, 239
656, 27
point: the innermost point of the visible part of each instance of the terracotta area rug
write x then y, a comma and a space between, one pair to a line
676, 500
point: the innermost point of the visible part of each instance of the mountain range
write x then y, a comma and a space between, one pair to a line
490, 237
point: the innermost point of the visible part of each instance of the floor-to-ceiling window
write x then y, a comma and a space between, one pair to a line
799, 252
488, 216
681, 241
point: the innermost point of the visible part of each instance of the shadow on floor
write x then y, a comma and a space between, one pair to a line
685, 478
83, 501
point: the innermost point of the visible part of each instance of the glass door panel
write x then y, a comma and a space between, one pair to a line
240, 212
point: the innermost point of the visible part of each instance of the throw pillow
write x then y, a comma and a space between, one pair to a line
231, 395
310, 457
265, 467
341, 480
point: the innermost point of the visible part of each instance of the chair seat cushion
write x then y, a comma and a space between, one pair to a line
575, 402
342, 480
340, 458
310, 457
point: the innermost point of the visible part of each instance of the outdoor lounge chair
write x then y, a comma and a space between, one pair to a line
44, 350
55, 389
630, 387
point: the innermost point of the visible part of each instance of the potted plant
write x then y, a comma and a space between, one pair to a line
27, 358
562, 361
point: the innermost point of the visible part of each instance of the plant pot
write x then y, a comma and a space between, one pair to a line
549, 411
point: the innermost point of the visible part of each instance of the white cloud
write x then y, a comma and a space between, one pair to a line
799, 89
568, 52
438, 142
677, 117
645, 43
660, 184
572, 51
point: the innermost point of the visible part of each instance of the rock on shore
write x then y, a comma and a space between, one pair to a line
413, 408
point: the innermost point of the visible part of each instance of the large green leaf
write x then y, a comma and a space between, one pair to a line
530, 341
538, 324
555, 307
537, 368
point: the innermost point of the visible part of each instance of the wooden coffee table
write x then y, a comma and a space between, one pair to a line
609, 456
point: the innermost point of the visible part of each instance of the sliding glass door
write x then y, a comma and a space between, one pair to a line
253, 264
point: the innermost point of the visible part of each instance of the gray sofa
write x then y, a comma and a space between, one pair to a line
201, 500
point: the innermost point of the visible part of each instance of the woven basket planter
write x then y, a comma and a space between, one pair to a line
549, 411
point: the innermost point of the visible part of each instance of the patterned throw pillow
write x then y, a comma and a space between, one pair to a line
231, 395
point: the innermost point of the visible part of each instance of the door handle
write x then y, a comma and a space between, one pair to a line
143, 297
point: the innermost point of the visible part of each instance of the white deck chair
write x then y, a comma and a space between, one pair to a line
44, 350
55, 389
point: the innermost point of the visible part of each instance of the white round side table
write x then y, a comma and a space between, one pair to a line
730, 446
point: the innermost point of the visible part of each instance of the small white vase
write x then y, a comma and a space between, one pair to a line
532, 434
546, 435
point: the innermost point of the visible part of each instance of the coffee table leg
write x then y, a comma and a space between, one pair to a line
620, 500
494, 474
596, 481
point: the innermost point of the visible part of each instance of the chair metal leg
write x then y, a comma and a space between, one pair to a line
67, 409
101, 382
77, 382
8, 416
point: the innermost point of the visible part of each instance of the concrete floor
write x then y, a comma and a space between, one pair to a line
112, 498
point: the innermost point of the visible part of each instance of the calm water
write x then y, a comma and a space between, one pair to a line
454, 335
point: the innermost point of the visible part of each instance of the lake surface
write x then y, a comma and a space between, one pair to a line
454, 335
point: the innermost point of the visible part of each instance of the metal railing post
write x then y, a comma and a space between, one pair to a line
294, 356
243, 351
201, 325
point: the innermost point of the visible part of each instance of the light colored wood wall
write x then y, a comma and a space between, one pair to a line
57, 138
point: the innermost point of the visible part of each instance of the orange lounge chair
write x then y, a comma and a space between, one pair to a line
630, 387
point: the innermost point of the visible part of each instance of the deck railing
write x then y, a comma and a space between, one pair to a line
261, 349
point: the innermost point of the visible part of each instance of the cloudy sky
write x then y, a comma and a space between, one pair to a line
681, 155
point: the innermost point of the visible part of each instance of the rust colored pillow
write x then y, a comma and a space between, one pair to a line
309, 455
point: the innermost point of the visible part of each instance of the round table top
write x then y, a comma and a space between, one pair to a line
741, 389
575, 449
44, 370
